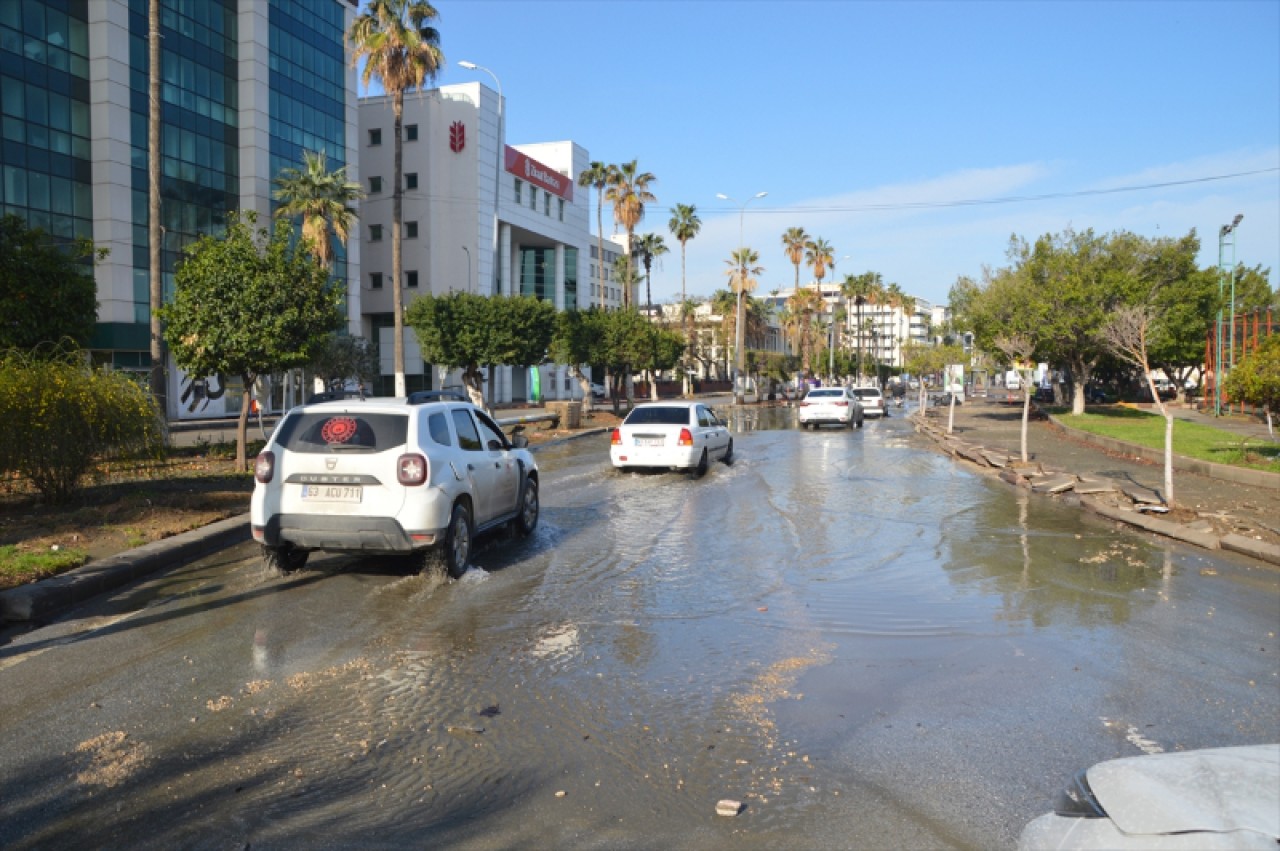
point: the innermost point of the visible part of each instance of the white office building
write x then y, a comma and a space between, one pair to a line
534, 239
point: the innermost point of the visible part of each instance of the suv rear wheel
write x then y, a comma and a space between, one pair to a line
284, 559
456, 548
527, 520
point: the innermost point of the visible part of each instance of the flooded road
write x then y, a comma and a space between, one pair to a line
866, 644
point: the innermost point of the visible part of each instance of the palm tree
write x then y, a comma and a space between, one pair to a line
794, 242
859, 289
684, 226
819, 254
803, 304
402, 52
596, 176
322, 198
649, 246
742, 273
628, 192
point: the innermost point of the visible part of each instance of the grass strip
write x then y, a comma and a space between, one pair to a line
18, 567
1193, 440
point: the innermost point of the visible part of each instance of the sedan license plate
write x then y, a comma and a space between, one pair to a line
332, 493
648, 441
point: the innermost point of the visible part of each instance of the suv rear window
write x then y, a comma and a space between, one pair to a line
329, 431
867, 394
658, 415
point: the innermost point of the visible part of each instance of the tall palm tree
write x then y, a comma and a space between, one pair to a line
628, 191
804, 304
859, 289
743, 271
647, 247
794, 242
819, 254
684, 226
322, 198
402, 52
596, 176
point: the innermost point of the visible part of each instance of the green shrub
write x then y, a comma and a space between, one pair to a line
64, 416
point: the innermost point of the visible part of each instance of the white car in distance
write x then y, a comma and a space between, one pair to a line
835, 405
671, 435
872, 401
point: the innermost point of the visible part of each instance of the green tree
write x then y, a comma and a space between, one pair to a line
648, 246
743, 272
628, 191
249, 304
578, 339
598, 176
323, 200
72, 417
626, 344
344, 357
862, 290
1255, 380
684, 225
468, 332
47, 291
1185, 298
399, 48
1253, 289
819, 255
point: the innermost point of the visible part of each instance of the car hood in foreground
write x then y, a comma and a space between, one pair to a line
1220, 789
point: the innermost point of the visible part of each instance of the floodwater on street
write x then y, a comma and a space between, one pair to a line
863, 642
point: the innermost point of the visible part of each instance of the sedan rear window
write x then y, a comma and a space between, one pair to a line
825, 394
341, 431
658, 415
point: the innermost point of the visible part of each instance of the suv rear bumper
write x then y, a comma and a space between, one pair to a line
344, 534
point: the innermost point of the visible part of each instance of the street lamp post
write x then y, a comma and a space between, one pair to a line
739, 388
497, 173
1225, 232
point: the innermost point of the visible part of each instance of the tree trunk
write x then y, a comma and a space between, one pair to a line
159, 386
1080, 372
1168, 456
1026, 416
473, 380
242, 425
397, 280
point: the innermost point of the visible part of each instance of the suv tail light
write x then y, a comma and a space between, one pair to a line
686, 438
264, 467
412, 469
615, 438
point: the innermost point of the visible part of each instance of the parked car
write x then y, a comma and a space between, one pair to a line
872, 401
389, 476
1197, 799
674, 435
597, 390
837, 405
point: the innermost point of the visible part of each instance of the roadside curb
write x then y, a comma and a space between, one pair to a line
1001, 465
38, 600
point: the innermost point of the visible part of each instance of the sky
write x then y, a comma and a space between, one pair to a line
915, 137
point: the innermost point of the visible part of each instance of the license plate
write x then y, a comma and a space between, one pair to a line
332, 493
648, 441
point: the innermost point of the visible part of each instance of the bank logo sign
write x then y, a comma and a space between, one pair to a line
527, 168
457, 137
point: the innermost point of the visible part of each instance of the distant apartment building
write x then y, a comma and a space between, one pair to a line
877, 329
478, 216
246, 86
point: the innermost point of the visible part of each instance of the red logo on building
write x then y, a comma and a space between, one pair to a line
457, 136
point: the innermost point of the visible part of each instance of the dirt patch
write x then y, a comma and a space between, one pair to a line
110, 759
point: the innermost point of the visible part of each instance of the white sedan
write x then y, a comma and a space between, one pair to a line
674, 435
830, 405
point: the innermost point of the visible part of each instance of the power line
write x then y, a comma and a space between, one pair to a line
1010, 199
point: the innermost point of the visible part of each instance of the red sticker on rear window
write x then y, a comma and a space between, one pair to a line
338, 430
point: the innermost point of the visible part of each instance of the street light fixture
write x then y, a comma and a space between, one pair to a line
1225, 232
497, 173
739, 388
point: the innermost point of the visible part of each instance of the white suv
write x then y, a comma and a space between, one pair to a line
390, 476
872, 401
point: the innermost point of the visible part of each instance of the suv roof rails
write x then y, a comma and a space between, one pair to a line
335, 396
424, 396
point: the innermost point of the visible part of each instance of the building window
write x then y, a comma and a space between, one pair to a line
533, 198
546, 205
411, 132
562, 209
375, 136
411, 280
519, 187
410, 230
375, 280
375, 233
375, 185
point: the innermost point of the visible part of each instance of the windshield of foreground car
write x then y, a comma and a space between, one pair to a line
341, 431
657, 415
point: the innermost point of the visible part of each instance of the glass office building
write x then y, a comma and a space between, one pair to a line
246, 86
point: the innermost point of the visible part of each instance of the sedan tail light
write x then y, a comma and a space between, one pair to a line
413, 469
616, 437
264, 467
842, 404
686, 438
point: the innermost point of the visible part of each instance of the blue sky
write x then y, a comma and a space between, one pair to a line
852, 115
